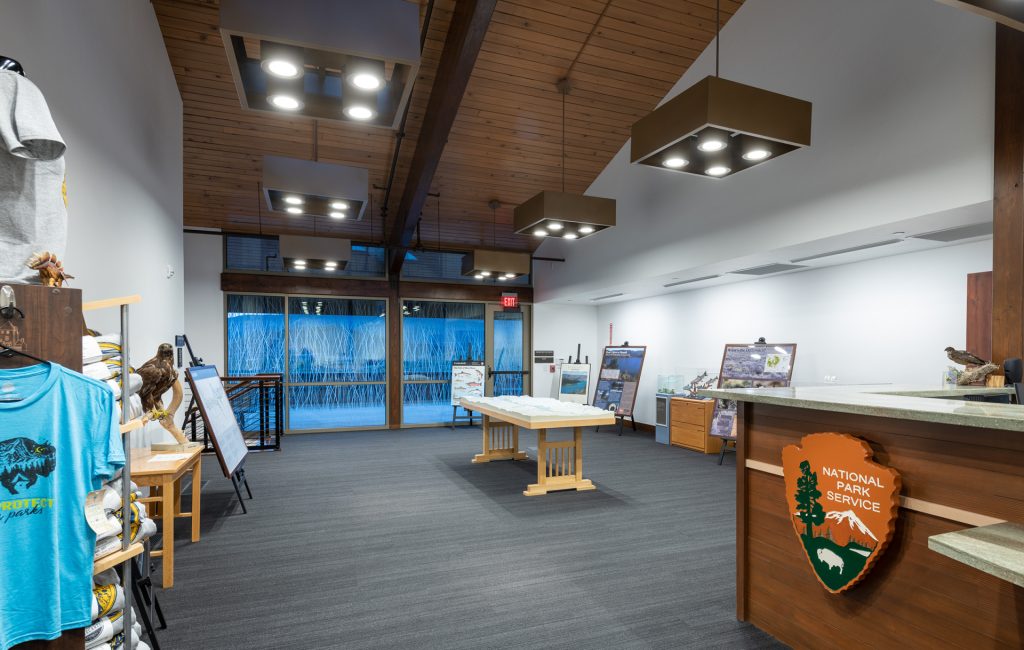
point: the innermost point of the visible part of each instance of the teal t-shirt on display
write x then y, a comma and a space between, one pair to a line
59, 440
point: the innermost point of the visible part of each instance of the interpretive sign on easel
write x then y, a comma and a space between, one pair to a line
574, 382
221, 425
469, 379
750, 365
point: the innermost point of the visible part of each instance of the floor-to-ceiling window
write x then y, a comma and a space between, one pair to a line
433, 335
332, 351
507, 353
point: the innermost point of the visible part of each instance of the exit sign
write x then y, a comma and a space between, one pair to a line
510, 301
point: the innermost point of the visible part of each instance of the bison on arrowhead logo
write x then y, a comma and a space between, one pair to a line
842, 504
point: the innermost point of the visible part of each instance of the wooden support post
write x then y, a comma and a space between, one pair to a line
1008, 217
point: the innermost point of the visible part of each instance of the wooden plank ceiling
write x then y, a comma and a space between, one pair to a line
621, 57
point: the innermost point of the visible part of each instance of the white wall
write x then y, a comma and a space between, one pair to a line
204, 309
903, 102
560, 328
104, 71
885, 320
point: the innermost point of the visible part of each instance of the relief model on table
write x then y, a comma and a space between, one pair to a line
25, 460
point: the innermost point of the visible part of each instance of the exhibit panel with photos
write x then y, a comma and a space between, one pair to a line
574, 382
750, 365
619, 379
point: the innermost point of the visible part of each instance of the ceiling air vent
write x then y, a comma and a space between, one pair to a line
852, 249
610, 295
676, 284
958, 233
768, 269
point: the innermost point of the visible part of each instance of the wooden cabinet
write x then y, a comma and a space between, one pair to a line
690, 425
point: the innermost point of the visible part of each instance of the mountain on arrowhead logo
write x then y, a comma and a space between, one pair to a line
842, 504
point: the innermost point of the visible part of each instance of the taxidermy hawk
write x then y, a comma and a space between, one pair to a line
964, 358
158, 376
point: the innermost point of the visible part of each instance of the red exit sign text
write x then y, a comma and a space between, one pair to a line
510, 300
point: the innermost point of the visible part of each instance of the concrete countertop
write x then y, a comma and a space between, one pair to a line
997, 549
925, 404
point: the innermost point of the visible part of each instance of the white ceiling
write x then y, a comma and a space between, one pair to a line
901, 142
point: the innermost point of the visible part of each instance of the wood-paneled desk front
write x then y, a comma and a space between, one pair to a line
559, 463
164, 476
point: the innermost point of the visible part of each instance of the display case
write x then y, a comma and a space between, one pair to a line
683, 383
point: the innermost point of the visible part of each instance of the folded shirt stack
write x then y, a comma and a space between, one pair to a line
142, 527
107, 629
101, 360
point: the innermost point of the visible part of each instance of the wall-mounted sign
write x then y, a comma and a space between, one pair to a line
510, 301
843, 505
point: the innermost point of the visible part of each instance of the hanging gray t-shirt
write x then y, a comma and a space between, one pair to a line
33, 213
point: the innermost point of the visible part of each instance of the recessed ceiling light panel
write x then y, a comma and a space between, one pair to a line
570, 216
500, 265
321, 189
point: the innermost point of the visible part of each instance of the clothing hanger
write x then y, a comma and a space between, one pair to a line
8, 353
7, 63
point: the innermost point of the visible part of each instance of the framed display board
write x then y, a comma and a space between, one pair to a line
468, 380
574, 383
750, 365
619, 378
208, 391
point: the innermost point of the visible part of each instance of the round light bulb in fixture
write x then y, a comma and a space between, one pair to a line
509, 276
717, 170
540, 232
479, 276
554, 225
359, 112
486, 274
339, 205
676, 162
570, 235
502, 278
330, 263
284, 102
302, 263
586, 230
337, 215
756, 155
291, 209
293, 200
712, 143
282, 68
365, 81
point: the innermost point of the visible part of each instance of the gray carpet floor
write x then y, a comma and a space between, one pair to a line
393, 539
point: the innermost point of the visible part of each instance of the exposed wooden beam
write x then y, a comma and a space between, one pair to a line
1008, 216
461, 47
1006, 12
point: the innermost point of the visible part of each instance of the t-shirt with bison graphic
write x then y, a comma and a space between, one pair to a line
59, 440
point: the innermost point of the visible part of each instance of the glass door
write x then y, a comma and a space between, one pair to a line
508, 350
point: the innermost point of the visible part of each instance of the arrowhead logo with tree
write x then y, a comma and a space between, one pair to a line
842, 504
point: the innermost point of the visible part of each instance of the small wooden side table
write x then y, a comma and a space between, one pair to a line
164, 476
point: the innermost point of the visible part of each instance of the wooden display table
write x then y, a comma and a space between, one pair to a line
164, 476
559, 463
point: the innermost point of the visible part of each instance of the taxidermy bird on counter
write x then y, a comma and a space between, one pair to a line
50, 269
158, 376
971, 375
963, 357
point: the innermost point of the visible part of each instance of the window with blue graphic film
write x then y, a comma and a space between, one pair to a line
508, 353
255, 334
433, 335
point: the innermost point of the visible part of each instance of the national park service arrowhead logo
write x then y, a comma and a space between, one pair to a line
842, 504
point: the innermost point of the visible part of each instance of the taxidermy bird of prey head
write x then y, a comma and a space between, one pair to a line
964, 358
158, 376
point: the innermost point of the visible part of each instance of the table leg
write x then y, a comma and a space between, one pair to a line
501, 442
167, 490
559, 465
197, 483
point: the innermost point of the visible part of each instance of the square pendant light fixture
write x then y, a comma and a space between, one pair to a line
564, 215
305, 187
718, 127
346, 60
327, 254
501, 266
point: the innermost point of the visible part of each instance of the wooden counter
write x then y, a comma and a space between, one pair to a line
954, 476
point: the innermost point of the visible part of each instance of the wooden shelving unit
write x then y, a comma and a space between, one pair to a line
118, 557
690, 426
